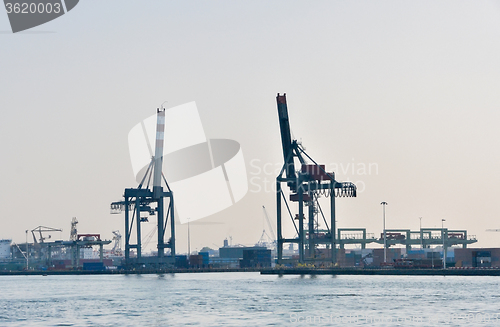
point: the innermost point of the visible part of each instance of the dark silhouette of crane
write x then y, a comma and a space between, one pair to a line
306, 186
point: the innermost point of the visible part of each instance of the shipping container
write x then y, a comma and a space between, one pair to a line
195, 261
256, 258
206, 257
94, 266
181, 261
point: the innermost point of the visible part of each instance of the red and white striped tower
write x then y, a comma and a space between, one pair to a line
158, 158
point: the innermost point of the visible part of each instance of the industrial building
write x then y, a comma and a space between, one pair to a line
477, 258
5, 253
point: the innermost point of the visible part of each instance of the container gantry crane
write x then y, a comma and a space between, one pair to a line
306, 186
151, 201
43, 229
272, 237
73, 234
117, 246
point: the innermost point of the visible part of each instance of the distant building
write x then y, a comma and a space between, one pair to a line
5, 249
230, 256
477, 257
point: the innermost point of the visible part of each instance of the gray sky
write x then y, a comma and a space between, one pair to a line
409, 87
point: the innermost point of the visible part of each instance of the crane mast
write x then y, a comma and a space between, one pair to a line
158, 158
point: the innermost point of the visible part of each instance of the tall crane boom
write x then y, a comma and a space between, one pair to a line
286, 137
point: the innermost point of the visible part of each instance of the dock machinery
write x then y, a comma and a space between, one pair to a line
150, 201
306, 186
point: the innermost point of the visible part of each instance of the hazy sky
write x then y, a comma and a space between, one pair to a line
411, 88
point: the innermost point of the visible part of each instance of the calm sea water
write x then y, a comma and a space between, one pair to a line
248, 299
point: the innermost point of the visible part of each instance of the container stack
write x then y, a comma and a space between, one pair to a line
256, 258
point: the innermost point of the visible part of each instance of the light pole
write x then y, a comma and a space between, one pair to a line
189, 240
444, 247
385, 235
421, 234
27, 252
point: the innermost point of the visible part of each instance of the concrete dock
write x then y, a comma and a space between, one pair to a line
388, 272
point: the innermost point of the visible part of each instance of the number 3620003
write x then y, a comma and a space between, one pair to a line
33, 8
